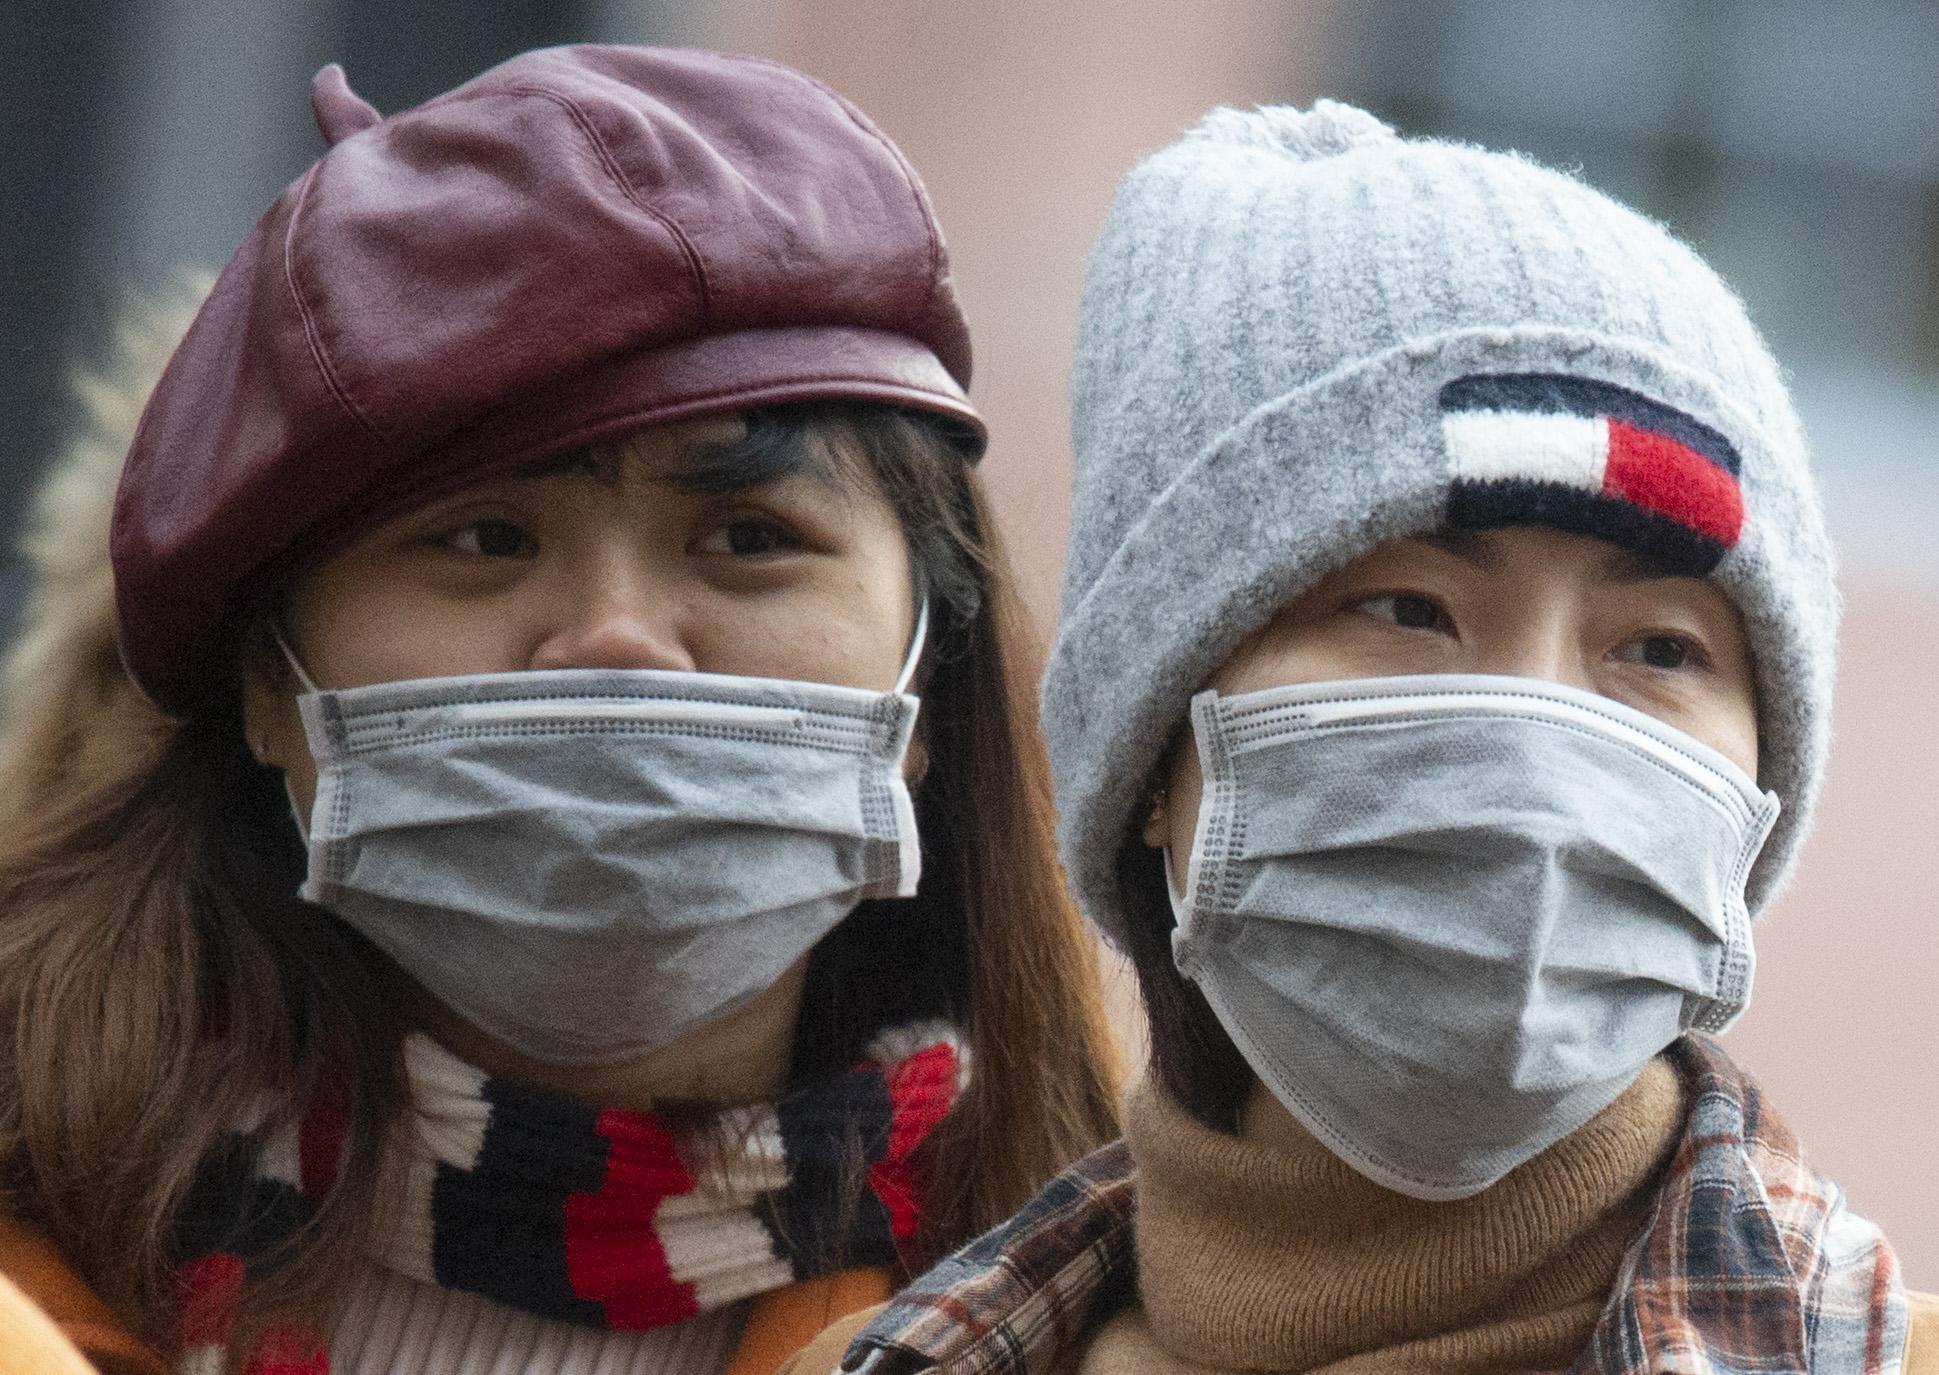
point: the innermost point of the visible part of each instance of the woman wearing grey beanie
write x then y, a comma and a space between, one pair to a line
1441, 693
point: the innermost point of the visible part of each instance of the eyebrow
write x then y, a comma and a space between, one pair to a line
1465, 545
759, 457
600, 465
762, 456
1630, 565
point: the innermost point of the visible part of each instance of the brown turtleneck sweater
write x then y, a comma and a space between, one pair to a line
1265, 1252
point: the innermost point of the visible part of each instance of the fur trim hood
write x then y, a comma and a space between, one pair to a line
68, 710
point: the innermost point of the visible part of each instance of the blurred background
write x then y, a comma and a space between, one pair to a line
1795, 144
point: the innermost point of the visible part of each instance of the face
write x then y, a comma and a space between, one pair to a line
646, 558
1526, 602
660, 556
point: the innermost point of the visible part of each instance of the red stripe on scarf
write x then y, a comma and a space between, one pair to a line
211, 1295
211, 1287
319, 1150
921, 1090
613, 1252
287, 1353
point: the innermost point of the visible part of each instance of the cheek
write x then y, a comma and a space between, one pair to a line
1737, 712
382, 639
1325, 649
869, 628
849, 631
354, 622
1730, 728
849, 623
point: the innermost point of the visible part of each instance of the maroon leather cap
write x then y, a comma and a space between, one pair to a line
576, 243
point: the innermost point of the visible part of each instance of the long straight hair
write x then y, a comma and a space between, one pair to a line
992, 932
160, 984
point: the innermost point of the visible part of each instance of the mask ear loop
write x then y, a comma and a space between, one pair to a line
309, 685
917, 639
302, 674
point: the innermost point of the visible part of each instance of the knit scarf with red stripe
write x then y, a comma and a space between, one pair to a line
606, 1218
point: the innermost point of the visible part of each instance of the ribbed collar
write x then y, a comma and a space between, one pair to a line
1257, 1255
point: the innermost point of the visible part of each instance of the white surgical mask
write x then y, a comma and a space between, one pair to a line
1447, 919
586, 864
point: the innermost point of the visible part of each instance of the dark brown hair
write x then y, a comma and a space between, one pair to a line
159, 982
1191, 1054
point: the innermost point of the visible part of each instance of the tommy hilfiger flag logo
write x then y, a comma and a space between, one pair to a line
1592, 458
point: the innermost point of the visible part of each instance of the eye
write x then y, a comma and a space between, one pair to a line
491, 539
1662, 650
749, 537
1408, 610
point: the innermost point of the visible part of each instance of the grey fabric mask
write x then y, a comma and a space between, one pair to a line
588, 863
1447, 919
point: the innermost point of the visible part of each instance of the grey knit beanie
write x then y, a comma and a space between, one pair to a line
1303, 335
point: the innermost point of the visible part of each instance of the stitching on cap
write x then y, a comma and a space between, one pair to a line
626, 188
310, 335
816, 379
906, 391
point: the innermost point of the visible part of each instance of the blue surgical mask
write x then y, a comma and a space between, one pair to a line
586, 864
1448, 919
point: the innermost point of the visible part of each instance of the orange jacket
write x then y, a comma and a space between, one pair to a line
53, 1324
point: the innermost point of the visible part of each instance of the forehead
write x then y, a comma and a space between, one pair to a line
1539, 548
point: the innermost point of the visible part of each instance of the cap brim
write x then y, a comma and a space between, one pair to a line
711, 375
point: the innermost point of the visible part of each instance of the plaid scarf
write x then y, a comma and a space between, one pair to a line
1749, 1265
603, 1218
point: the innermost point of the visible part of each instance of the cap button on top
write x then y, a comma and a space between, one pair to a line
340, 111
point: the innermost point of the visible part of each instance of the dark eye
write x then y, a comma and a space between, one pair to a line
1408, 610
492, 539
748, 538
1660, 651
1665, 652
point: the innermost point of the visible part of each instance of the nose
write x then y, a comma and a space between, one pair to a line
1538, 646
619, 615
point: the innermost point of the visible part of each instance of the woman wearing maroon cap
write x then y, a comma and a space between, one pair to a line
511, 913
